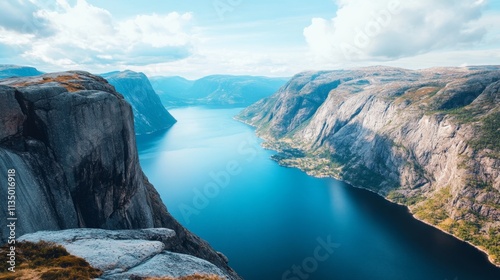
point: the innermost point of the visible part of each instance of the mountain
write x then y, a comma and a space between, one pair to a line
221, 90
8, 71
149, 114
174, 86
427, 139
67, 141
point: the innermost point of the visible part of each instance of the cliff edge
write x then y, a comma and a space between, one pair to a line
70, 139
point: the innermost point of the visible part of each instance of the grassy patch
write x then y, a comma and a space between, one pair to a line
45, 261
432, 210
405, 200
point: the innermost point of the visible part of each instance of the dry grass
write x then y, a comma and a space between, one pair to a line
67, 81
45, 261
418, 95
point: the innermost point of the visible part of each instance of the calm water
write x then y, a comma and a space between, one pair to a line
278, 223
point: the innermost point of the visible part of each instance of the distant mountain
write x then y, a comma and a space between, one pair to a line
9, 71
428, 139
222, 90
149, 113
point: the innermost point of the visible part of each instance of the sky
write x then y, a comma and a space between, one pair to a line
196, 38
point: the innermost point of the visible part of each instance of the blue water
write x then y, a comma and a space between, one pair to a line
274, 222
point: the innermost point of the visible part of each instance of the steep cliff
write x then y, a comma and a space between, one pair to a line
70, 139
149, 113
427, 139
220, 90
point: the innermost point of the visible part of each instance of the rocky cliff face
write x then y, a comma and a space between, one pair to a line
427, 139
149, 113
70, 138
220, 90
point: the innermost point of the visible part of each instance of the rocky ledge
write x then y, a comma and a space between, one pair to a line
127, 254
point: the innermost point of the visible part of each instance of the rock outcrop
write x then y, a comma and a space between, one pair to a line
427, 139
127, 254
219, 90
70, 139
150, 115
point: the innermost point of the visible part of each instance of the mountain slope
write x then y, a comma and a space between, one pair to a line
149, 114
9, 71
427, 139
69, 139
219, 90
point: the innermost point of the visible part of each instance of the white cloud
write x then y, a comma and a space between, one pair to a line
20, 16
83, 34
367, 30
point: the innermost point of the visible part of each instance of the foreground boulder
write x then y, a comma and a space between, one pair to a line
125, 254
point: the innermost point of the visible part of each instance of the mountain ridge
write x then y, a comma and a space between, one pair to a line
422, 138
221, 90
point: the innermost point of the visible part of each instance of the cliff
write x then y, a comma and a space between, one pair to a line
427, 139
149, 113
219, 90
70, 139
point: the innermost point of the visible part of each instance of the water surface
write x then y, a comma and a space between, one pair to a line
273, 222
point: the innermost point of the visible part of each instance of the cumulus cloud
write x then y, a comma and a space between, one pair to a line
390, 29
81, 34
21, 16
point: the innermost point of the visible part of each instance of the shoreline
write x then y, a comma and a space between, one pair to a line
406, 207
489, 257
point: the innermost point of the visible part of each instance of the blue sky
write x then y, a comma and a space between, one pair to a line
272, 38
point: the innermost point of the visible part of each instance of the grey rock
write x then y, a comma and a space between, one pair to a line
388, 129
74, 152
171, 265
150, 115
122, 254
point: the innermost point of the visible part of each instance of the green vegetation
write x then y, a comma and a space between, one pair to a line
361, 175
490, 134
463, 115
45, 261
432, 210
400, 198
470, 231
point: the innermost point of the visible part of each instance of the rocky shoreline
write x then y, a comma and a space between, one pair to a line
392, 201
427, 139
